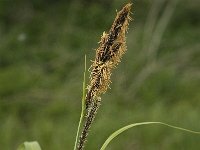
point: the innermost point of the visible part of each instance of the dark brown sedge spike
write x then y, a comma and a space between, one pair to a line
111, 48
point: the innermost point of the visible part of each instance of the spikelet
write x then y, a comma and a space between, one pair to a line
90, 118
111, 48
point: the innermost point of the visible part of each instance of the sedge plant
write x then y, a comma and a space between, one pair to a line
111, 48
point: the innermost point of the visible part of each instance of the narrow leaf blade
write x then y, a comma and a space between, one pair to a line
121, 130
83, 103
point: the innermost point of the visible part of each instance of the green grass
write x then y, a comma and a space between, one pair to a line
41, 76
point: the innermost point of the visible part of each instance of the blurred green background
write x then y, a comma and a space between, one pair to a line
42, 48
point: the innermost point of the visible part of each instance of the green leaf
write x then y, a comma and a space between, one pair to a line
116, 133
29, 146
83, 106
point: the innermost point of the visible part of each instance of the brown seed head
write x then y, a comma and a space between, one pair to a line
111, 48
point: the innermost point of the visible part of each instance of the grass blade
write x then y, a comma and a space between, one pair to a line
116, 133
82, 107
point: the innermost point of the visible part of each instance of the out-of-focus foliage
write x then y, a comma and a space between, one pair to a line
42, 47
29, 146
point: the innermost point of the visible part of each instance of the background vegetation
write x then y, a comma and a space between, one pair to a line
42, 47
